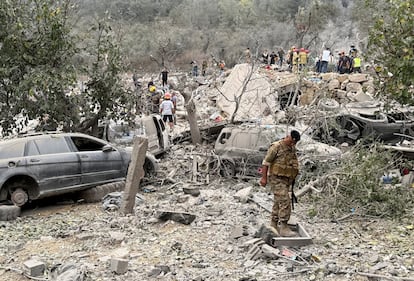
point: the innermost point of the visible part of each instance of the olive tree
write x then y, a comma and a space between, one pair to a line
104, 95
36, 49
390, 46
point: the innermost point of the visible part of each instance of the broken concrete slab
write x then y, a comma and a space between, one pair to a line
192, 191
254, 88
243, 195
34, 268
184, 218
358, 78
119, 266
302, 239
239, 231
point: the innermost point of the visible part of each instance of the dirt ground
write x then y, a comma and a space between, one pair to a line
88, 237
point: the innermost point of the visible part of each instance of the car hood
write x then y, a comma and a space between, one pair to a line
310, 148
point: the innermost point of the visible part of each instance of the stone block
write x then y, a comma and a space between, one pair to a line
34, 268
119, 266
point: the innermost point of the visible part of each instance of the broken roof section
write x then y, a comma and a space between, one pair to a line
252, 90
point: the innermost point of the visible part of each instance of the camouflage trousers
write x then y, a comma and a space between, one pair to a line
281, 200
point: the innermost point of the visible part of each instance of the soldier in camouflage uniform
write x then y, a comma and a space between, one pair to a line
280, 168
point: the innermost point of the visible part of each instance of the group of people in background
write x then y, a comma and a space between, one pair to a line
297, 59
158, 98
204, 66
345, 63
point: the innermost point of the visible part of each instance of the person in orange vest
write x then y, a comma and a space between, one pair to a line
303, 58
295, 60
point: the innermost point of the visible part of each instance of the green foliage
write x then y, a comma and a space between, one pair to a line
356, 186
391, 44
197, 27
104, 96
35, 69
38, 74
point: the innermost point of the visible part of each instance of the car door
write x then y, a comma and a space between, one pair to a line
53, 163
99, 161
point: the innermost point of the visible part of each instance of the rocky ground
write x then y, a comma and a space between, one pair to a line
78, 241
83, 238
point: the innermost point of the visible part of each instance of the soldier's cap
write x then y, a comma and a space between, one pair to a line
295, 135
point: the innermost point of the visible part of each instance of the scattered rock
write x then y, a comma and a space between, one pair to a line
183, 218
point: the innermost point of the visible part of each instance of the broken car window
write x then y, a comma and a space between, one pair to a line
84, 144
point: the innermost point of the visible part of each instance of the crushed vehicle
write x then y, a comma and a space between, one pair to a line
46, 164
363, 120
122, 133
242, 148
404, 148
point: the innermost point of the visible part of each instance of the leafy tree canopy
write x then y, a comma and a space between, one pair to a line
391, 42
38, 73
35, 68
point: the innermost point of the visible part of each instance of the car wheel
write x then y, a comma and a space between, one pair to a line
118, 186
91, 195
227, 168
9, 212
19, 197
328, 104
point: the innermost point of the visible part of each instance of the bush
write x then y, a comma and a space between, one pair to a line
358, 186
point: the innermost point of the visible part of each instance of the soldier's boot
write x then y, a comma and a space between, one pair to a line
273, 227
284, 230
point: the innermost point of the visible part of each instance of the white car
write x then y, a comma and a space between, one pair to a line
242, 148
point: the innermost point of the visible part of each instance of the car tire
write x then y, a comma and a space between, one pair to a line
9, 212
118, 186
328, 104
106, 188
19, 197
91, 195
227, 168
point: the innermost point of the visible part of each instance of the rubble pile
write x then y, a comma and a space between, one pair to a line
218, 241
190, 223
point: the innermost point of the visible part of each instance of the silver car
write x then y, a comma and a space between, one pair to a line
242, 148
47, 164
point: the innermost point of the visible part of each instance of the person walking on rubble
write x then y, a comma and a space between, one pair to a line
280, 168
167, 110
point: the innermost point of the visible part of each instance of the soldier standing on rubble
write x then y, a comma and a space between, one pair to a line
282, 165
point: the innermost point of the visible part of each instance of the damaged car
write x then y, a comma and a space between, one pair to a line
122, 133
46, 164
368, 120
242, 148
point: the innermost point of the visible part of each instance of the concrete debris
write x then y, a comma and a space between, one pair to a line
183, 218
208, 235
192, 191
34, 268
69, 272
159, 270
119, 266
243, 195
239, 231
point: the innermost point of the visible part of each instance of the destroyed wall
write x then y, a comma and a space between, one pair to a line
252, 89
265, 87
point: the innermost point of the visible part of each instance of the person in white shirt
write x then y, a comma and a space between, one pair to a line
167, 110
326, 58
